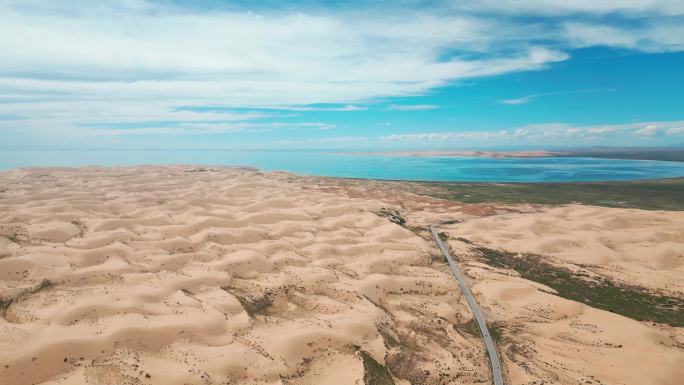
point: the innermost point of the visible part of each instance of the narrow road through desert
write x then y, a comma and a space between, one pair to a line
489, 343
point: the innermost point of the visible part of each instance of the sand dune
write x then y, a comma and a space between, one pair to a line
634, 246
175, 275
186, 275
549, 338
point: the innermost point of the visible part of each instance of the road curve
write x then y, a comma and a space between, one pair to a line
489, 343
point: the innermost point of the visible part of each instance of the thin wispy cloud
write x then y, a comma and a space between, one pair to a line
197, 128
666, 36
295, 108
529, 98
344, 108
328, 140
522, 100
412, 107
558, 7
556, 133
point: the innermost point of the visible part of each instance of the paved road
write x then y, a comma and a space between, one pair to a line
491, 348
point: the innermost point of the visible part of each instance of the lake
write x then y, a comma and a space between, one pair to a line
474, 169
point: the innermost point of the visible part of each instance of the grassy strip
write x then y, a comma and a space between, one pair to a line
373, 372
630, 301
665, 194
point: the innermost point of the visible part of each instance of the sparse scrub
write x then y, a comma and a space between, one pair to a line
393, 215
438, 258
630, 301
495, 331
253, 305
5, 303
405, 366
663, 194
470, 328
388, 337
373, 372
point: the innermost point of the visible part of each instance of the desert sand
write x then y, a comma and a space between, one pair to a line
560, 341
217, 275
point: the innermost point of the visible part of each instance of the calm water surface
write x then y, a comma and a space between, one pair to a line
364, 166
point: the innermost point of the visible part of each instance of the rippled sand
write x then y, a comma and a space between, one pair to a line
189, 275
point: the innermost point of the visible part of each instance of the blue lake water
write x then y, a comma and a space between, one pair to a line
554, 169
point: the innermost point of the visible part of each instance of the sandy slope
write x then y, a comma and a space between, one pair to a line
188, 275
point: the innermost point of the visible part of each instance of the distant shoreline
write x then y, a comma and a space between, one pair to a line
483, 154
674, 154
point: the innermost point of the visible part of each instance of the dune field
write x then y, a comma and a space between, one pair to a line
218, 275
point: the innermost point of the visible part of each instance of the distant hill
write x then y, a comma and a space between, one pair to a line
674, 153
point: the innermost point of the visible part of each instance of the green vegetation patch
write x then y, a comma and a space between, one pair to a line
373, 372
5, 303
388, 337
665, 194
253, 305
439, 258
393, 215
495, 331
407, 366
14, 237
630, 301
470, 327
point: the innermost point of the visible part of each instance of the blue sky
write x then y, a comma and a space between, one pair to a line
314, 74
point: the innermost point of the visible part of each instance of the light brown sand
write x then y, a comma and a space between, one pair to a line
549, 338
149, 264
634, 246
188, 275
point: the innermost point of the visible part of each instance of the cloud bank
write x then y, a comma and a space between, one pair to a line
75, 66
646, 133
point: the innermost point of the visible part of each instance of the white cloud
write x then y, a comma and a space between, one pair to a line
448, 136
648, 130
67, 65
522, 100
529, 98
206, 127
679, 130
412, 107
316, 125
565, 7
139, 61
554, 134
327, 140
662, 36
340, 108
